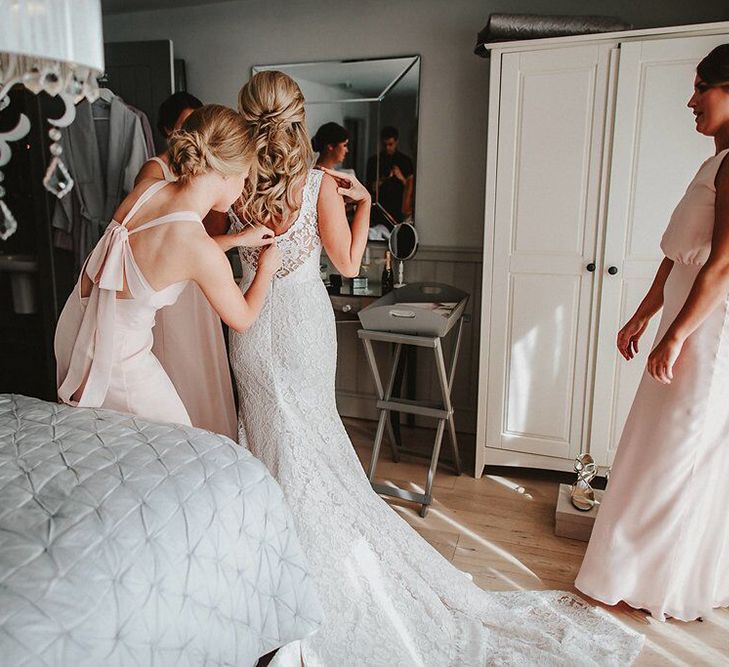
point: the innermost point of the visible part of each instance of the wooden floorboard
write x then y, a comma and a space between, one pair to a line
500, 528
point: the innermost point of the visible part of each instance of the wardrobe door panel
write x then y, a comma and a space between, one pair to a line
547, 186
655, 153
541, 347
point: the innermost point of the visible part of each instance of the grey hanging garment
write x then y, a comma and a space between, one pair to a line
104, 149
511, 27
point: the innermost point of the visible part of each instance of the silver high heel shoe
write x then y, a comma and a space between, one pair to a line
582, 494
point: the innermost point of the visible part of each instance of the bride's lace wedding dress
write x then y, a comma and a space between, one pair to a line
389, 598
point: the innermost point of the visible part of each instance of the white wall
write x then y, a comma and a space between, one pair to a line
221, 42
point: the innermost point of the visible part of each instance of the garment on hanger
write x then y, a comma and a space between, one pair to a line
146, 129
103, 148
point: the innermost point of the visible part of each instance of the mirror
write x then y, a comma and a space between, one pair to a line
403, 246
403, 241
363, 118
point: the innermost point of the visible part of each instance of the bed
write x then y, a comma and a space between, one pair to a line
126, 542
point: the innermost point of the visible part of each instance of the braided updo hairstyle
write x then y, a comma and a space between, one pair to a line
273, 108
213, 138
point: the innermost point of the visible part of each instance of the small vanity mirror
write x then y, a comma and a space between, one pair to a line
403, 244
404, 241
363, 118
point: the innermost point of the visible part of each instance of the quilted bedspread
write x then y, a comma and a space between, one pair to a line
126, 542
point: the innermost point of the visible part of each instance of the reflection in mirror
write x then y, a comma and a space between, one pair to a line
363, 118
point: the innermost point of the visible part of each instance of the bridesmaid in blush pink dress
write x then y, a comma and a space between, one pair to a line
189, 343
661, 538
104, 335
188, 336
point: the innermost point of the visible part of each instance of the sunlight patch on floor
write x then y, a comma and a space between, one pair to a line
502, 553
513, 486
666, 655
720, 618
703, 652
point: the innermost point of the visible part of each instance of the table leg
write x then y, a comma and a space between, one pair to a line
383, 394
445, 388
433, 467
394, 433
376, 446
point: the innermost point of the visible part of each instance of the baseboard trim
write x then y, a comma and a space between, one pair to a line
504, 457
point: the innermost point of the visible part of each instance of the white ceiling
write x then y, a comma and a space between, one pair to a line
122, 6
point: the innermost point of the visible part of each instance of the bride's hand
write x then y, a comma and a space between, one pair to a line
269, 261
252, 236
348, 186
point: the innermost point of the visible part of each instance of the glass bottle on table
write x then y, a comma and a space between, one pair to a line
388, 280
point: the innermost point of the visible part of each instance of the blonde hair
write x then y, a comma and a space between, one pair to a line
273, 107
214, 138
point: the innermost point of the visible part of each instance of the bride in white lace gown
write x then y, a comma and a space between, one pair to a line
389, 597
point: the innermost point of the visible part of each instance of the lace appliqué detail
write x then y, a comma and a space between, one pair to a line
299, 241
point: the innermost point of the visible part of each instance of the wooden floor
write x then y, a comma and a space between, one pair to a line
500, 528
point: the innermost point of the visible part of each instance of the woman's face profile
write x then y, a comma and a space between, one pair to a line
710, 105
341, 150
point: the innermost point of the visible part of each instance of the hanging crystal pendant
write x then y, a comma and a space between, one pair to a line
8, 224
57, 179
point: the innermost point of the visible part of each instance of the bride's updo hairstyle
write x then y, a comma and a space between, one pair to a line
213, 138
273, 107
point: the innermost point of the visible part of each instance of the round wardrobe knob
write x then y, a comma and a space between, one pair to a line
591, 267
613, 270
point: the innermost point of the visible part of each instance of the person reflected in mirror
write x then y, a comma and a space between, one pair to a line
393, 184
331, 142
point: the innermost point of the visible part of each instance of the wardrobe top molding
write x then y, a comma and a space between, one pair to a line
717, 28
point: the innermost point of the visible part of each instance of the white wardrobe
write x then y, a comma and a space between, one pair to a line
590, 147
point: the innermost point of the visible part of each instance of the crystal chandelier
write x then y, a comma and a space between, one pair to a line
54, 46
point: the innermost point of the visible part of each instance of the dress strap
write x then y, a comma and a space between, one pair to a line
166, 171
150, 192
176, 216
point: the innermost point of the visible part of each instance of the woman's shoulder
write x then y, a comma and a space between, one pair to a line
153, 169
327, 185
141, 185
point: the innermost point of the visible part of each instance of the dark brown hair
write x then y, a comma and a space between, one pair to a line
714, 68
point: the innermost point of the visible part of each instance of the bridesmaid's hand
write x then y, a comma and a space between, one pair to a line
253, 236
348, 186
662, 359
629, 336
269, 261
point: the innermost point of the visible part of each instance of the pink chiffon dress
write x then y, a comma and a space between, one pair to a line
661, 537
189, 343
103, 342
